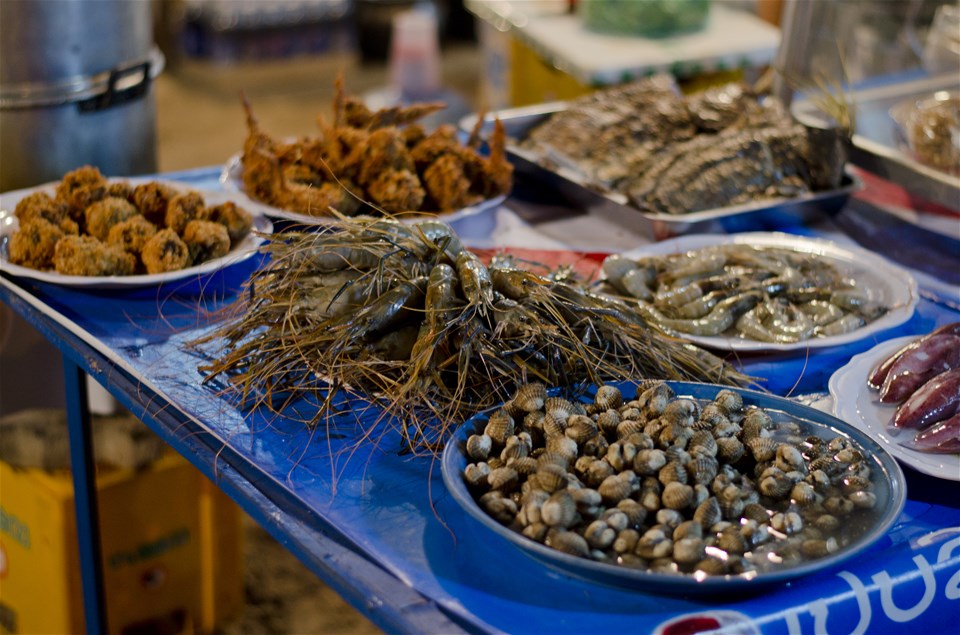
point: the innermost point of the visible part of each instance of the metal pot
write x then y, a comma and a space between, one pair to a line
75, 81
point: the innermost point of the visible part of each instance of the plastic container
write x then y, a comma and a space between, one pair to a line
648, 18
929, 129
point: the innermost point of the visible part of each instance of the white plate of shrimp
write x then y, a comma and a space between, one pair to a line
859, 405
231, 179
114, 269
867, 295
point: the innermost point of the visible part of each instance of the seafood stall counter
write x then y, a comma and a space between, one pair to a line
379, 525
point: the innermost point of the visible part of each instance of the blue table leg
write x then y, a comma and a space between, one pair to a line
85, 497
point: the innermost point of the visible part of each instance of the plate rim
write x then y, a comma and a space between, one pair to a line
262, 228
848, 410
809, 244
624, 577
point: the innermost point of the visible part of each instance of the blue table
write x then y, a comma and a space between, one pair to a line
378, 524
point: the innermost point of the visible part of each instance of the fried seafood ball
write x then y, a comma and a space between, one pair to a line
132, 234
87, 256
237, 221
151, 199
104, 214
33, 244
79, 189
120, 189
206, 240
42, 205
183, 208
165, 252
397, 191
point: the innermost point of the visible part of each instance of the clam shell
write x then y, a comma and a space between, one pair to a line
730, 449
475, 474
614, 489
649, 462
635, 512
626, 427
732, 541
755, 512
654, 544
514, 449
672, 472
681, 411
787, 522
524, 466
559, 510
536, 531
863, 499
608, 421
762, 448
789, 459
656, 397
533, 421
558, 408
581, 428
563, 445
478, 446
568, 542
551, 477
616, 518
688, 529
599, 471
599, 534
608, 397
597, 446
677, 495
702, 442
585, 498
530, 397
553, 426
707, 512
729, 400
626, 541
711, 566
710, 415
838, 506
621, 455
503, 479
689, 550
499, 426
669, 518
550, 457
803, 494
702, 469
775, 486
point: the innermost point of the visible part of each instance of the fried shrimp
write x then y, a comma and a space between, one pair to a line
87, 256
33, 244
165, 252
206, 240
105, 213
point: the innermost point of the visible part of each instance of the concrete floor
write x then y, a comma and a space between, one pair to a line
200, 122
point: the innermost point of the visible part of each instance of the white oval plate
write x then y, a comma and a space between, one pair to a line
231, 179
879, 279
244, 250
859, 405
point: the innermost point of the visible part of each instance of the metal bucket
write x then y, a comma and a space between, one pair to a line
75, 80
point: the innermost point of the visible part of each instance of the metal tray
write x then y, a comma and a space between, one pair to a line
875, 146
767, 215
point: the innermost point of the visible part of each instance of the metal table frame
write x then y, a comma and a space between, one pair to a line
383, 598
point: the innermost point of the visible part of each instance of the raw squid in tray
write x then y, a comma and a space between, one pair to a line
925, 376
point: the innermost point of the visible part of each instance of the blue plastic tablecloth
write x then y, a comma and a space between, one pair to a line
394, 507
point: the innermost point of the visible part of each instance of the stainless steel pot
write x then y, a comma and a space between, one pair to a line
75, 79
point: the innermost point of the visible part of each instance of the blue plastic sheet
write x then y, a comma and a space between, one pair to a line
394, 508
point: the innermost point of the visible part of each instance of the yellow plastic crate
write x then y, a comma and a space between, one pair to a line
171, 548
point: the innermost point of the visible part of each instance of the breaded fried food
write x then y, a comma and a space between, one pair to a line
104, 214
87, 256
80, 188
33, 244
120, 189
447, 185
236, 219
132, 234
42, 205
206, 240
183, 208
165, 252
151, 199
397, 191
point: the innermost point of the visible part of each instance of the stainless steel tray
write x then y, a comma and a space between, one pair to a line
771, 214
875, 146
